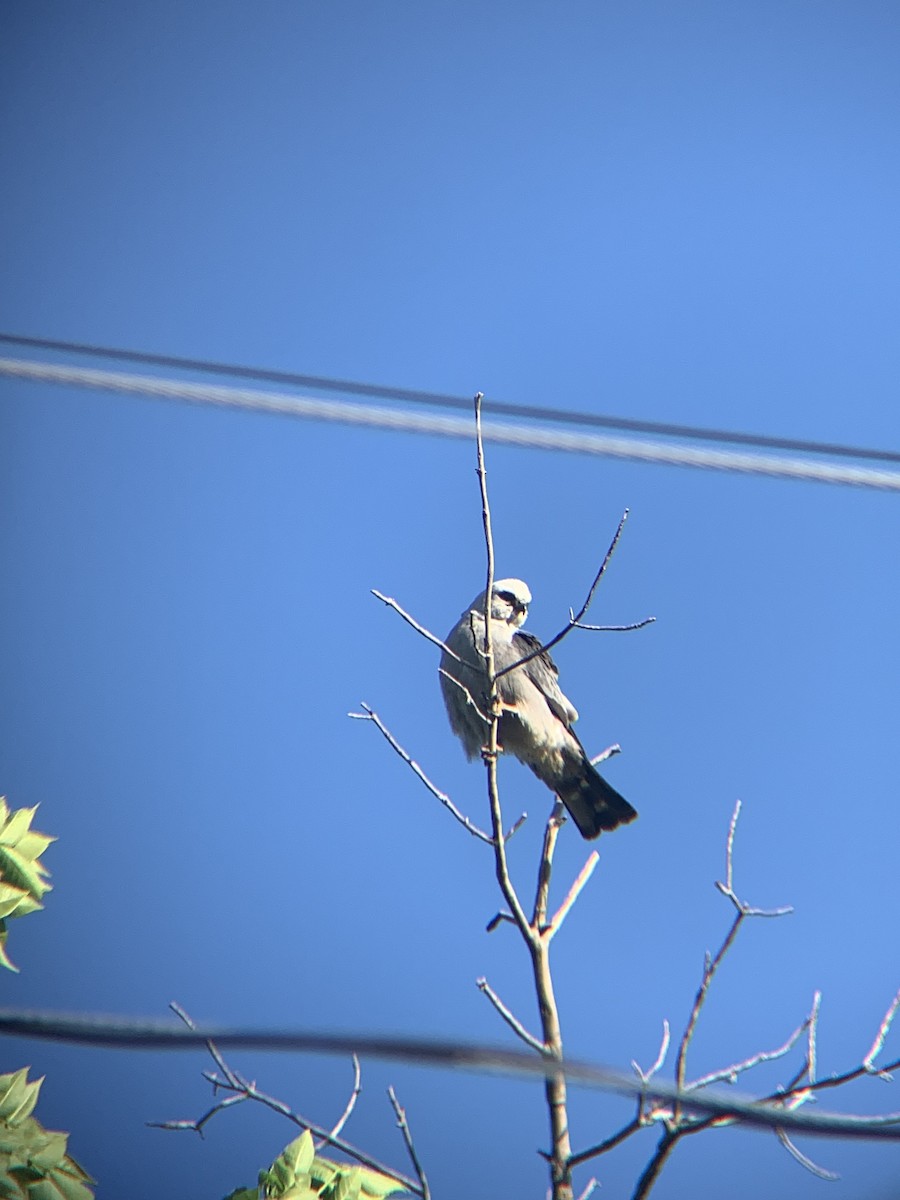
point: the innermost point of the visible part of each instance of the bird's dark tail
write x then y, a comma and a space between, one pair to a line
593, 805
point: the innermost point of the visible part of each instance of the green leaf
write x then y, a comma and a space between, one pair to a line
17, 1096
373, 1185
71, 1186
5, 960
12, 830
298, 1155
34, 1164
20, 872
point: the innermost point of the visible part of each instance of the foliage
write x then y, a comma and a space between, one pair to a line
300, 1174
34, 1164
23, 879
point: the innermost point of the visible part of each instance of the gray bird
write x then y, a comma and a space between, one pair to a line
536, 719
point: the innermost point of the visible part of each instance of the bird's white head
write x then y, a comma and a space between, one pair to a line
509, 602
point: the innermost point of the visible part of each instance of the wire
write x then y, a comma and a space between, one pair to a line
502, 433
444, 400
125, 1034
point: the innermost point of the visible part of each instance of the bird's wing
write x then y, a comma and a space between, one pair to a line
543, 672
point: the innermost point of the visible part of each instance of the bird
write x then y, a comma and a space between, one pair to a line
536, 718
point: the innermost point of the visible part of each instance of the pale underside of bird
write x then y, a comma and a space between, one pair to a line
536, 718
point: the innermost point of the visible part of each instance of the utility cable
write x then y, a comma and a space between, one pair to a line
501, 433
444, 400
129, 1034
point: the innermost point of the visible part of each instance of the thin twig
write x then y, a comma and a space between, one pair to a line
351, 1103
658, 1160
803, 1160
573, 620
610, 1143
498, 919
470, 699
608, 753
516, 826
424, 1191
811, 1065
196, 1126
610, 628
835, 1081
880, 1036
245, 1090
589, 1190
512, 1021
730, 1074
426, 633
545, 866
370, 715
646, 1076
727, 888
710, 967
574, 892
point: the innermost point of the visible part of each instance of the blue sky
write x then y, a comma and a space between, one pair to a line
671, 212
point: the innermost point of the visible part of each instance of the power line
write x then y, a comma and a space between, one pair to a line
502, 433
445, 400
127, 1034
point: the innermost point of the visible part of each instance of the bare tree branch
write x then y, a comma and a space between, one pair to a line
646, 1076
538, 944
807, 1163
727, 888
426, 633
731, 1074
650, 1173
615, 748
610, 1143
423, 1190
610, 628
244, 1090
574, 892
877, 1046
574, 621
555, 822
512, 1021
369, 714
465, 691
351, 1104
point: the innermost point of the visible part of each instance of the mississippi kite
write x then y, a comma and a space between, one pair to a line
536, 718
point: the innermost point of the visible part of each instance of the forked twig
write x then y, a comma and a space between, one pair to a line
713, 963
243, 1089
574, 621
731, 1074
880, 1036
646, 1076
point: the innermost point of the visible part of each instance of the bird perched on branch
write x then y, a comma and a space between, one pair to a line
536, 718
